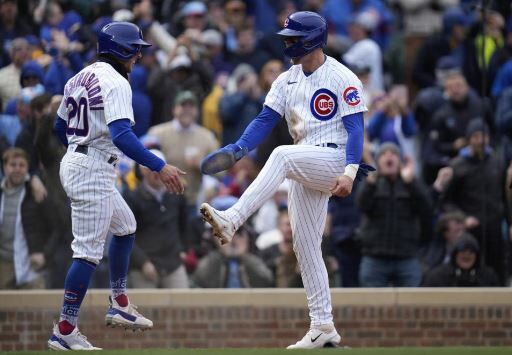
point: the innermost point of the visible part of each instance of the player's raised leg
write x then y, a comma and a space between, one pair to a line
316, 167
122, 312
308, 209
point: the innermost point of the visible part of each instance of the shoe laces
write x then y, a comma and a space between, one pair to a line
83, 338
133, 310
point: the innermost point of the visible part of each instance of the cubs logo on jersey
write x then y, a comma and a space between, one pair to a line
324, 104
351, 96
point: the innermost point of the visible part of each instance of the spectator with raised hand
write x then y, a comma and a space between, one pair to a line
395, 122
241, 104
50, 151
161, 237
25, 227
397, 217
477, 188
464, 268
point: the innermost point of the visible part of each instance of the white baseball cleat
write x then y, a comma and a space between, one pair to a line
316, 338
73, 341
223, 228
126, 317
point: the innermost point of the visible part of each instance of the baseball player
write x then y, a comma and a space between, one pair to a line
94, 122
321, 102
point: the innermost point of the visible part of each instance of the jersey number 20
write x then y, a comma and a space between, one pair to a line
77, 115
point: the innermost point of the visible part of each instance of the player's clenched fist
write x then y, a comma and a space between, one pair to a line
171, 177
343, 186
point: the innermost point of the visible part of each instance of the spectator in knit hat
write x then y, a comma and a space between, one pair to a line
477, 188
397, 217
31, 75
464, 268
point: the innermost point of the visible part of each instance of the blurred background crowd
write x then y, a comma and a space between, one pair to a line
437, 76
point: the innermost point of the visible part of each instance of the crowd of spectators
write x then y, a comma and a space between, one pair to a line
437, 78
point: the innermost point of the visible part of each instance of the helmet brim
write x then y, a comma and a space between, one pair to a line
141, 42
291, 33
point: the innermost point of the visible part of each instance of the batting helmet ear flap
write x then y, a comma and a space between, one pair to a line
122, 40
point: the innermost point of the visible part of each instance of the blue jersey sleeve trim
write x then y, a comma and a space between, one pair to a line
59, 129
354, 124
259, 128
124, 138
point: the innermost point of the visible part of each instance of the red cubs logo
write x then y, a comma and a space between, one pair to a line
351, 96
285, 23
324, 104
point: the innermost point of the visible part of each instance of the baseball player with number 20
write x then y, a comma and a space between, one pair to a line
95, 119
321, 102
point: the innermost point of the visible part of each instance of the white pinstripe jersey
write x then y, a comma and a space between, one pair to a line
93, 98
314, 105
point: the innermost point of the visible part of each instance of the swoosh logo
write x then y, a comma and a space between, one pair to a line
314, 339
292, 82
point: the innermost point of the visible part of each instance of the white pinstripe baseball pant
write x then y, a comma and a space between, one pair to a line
313, 171
96, 206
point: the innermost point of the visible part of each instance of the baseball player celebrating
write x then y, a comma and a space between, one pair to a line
95, 119
321, 102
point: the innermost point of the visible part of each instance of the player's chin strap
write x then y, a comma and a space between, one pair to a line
119, 67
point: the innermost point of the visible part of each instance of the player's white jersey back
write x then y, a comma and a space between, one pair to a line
93, 98
314, 104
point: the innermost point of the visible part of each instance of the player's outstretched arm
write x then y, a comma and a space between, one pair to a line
225, 157
124, 138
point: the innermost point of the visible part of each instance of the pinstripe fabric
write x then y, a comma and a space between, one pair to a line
291, 95
312, 172
109, 98
313, 107
93, 98
96, 206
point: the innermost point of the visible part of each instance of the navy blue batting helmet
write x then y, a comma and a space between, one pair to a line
311, 30
123, 40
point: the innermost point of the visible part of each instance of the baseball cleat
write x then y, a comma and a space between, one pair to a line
316, 338
223, 228
126, 317
73, 341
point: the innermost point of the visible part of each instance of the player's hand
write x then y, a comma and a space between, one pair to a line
171, 177
343, 186
37, 260
149, 271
